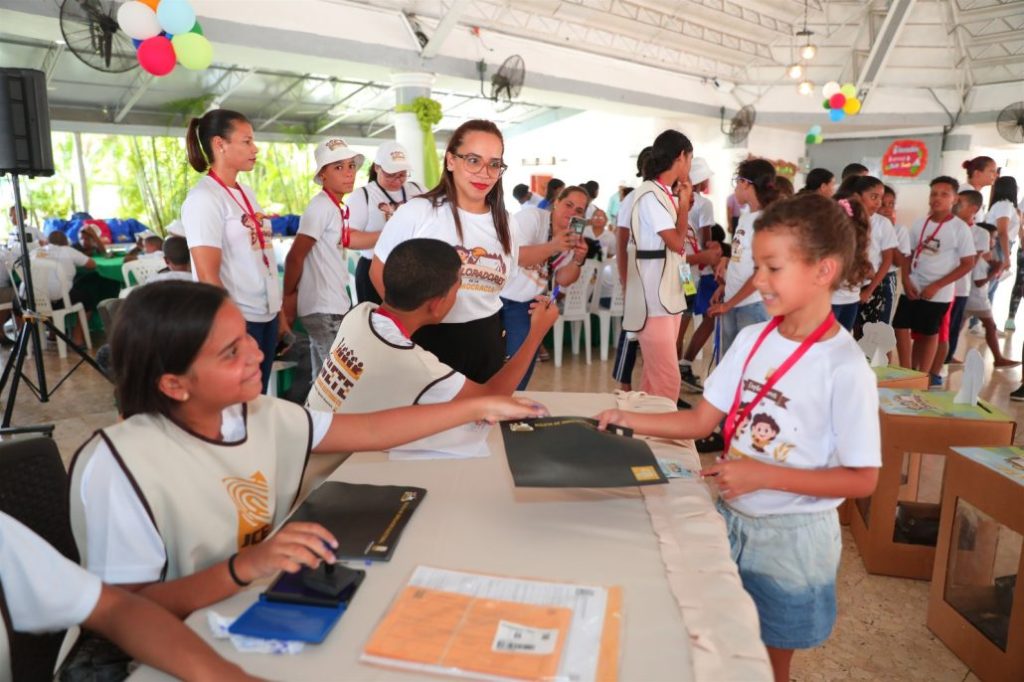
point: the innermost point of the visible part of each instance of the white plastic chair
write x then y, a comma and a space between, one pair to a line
575, 310
611, 316
142, 270
42, 270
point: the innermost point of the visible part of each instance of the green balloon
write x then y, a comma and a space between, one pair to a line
197, 29
826, 105
193, 51
818, 139
809, 139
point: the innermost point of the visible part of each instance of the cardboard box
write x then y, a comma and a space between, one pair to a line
916, 423
900, 377
976, 606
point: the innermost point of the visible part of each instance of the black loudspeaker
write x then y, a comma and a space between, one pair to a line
25, 147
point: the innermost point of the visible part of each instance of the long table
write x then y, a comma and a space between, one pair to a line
474, 519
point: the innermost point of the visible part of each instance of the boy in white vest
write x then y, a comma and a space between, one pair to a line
374, 365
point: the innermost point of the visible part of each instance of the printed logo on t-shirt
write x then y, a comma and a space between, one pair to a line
254, 241
251, 497
760, 427
482, 270
737, 246
341, 370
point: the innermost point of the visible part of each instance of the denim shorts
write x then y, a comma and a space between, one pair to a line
738, 318
788, 565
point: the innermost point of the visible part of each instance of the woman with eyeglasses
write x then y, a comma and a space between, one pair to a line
372, 205
466, 210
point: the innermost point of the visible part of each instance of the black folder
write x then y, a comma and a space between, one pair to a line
367, 520
569, 452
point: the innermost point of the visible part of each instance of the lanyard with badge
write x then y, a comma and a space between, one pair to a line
923, 241
256, 218
346, 230
685, 274
735, 416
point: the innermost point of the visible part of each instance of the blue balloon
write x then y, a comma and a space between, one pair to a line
175, 16
136, 43
837, 115
815, 130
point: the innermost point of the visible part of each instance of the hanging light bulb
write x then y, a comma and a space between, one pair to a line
808, 51
805, 87
796, 71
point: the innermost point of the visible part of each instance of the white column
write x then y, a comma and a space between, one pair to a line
409, 86
83, 185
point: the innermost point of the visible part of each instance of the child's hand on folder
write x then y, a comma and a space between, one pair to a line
296, 545
617, 417
501, 408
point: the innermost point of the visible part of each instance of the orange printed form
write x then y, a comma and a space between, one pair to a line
495, 628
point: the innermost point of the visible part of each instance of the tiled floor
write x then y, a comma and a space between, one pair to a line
880, 635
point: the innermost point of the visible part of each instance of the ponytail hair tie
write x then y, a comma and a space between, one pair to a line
845, 203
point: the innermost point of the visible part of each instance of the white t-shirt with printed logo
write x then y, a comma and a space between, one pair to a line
823, 413
653, 218
212, 218
741, 264
533, 226
882, 237
702, 214
325, 272
371, 206
940, 255
485, 266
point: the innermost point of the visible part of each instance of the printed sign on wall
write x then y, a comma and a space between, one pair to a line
905, 159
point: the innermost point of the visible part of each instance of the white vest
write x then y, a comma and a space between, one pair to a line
206, 499
670, 291
366, 373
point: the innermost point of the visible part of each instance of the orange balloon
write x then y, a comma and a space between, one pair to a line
152, 3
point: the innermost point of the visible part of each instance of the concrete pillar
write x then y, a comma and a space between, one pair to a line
409, 86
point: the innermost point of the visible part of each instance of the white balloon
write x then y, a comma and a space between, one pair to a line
830, 89
138, 20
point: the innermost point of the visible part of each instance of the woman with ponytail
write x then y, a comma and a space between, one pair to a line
982, 172
228, 235
742, 306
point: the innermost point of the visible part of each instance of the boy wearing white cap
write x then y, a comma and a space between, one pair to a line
374, 204
315, 271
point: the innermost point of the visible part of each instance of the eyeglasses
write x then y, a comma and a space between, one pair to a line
476, 165
737, 179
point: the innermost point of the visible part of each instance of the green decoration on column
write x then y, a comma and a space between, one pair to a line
428, 114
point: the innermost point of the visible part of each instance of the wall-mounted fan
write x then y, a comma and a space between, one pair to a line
506, 82
740, 125
91, 32
1010, 123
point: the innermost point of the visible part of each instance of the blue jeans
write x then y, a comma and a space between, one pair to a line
738, 318
846, 314
265, 334
515, 318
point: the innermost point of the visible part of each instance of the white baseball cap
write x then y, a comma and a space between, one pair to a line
332, 150
392, 158
699, 170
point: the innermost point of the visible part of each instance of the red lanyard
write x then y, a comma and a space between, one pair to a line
691, 237
671, 197
256, 218
346, 231
923, 241
390, 316
734, 419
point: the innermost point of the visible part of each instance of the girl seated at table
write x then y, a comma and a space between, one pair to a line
178, 501
801, 423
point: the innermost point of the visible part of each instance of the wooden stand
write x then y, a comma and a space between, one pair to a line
916, 422
972, 559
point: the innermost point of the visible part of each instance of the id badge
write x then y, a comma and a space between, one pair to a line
686, 278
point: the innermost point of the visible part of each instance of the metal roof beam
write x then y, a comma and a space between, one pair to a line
226, 85
133, 94
989, 13
448, 21
1005, 60
53, 54
881, 47
990, 38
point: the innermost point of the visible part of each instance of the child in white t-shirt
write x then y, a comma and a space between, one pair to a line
942, 252
42, 591
978, 304
1004, 215
808, 406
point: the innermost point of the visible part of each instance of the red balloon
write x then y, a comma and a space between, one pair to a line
836, 101
156, 55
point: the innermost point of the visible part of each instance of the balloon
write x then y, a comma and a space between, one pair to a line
809, 139
137, 20
837, 115
818, 139
176, 16
830, 89
826, 105
151, 3
837, 100
815, 130
194, 51
136, 42
850, 90
851, 107
197, 29
156, 55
